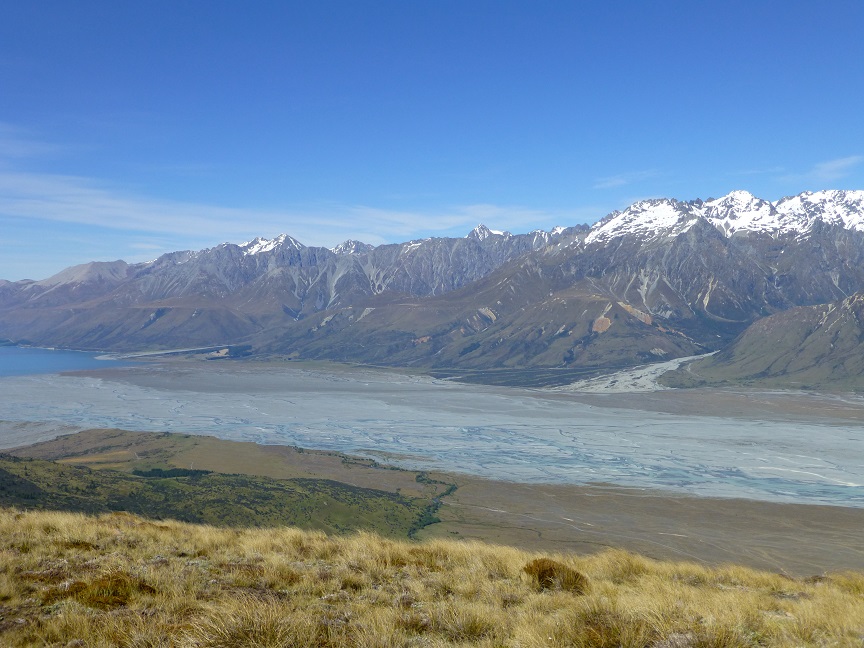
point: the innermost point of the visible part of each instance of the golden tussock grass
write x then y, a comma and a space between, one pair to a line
120, 580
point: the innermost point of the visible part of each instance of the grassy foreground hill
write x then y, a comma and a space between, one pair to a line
120, 580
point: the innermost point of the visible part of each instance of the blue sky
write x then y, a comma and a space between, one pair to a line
132, 129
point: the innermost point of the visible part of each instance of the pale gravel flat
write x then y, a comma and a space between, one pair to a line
655, 440
636, 380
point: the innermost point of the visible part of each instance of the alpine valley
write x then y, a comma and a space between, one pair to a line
776, 287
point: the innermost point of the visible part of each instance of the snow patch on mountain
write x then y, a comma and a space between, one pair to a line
410, 246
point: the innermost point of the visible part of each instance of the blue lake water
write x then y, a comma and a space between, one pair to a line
27, 361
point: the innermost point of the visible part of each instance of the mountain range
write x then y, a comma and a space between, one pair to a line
659, 280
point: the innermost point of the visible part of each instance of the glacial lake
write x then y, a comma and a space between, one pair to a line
783, 447
23, 361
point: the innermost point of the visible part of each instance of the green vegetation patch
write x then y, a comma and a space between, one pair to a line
211, 498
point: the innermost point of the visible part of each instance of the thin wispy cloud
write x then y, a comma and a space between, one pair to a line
828, 171
83, 201
462, 218
144, 246
836, 169
17, 143
94, 219
624, 179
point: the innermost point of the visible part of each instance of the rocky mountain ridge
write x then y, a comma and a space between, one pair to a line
659, 280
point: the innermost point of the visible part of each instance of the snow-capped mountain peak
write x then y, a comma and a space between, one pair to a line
655, 218
845, 208
738, 211
736, 202
481, 233
259, 245
352, 247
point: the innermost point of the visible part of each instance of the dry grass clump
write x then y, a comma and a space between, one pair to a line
119, 580
551, 574
105, 592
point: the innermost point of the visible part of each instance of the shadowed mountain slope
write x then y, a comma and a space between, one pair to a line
799, 348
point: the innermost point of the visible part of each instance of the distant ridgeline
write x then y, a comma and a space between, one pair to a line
660, 280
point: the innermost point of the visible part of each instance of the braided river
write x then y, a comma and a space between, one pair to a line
772, 446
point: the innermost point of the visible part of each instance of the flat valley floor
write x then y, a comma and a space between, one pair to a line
768, 479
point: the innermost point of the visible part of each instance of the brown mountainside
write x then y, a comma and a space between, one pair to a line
663, 279
800, 348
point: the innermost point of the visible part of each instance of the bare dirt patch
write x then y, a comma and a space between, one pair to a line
794, 538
